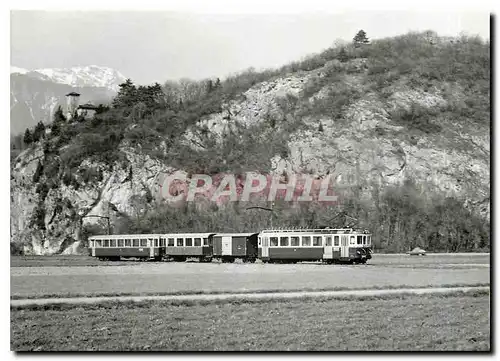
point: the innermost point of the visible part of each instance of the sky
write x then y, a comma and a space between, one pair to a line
149, 46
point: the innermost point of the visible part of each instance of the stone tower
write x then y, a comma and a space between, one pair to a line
72, 100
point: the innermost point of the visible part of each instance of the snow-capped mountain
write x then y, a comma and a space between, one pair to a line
15, 69
92, 75
36, 94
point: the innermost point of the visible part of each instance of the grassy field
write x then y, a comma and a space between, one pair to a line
158, 278
452, 322
378, 259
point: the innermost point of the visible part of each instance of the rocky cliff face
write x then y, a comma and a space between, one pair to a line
48, 223
366, 146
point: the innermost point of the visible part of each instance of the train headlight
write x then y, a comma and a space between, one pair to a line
358, 252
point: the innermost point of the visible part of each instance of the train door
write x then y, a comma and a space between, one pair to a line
328, 247
151, 247
92, 244
344, 246
226, 245
265, 247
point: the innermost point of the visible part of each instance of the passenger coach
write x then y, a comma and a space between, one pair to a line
181, 246
114, 247
328, 245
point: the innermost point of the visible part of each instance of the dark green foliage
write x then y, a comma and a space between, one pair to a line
16, 249
405, 219
28, 137
342, 55
43, 190
91, 175
59, 121
360, 38
400, 220
320, 127
59, 115
38, 172
417, 117
38, 217
39, 132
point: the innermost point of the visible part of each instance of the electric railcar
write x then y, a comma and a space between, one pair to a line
270, 246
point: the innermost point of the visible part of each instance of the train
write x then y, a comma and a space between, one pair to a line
329, 245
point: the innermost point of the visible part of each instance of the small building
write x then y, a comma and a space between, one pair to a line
72, 100
87, 110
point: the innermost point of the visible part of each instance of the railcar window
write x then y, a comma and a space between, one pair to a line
106, 243
306, 241
284, 241
205, 241
336, 241
197, 242
171, 242
369, 240
260, 241
353, 240
156, 242
294, 241
360, 239
135, 243
113, 243
317, 241
180, 242
120, 243
162, 242
328, 240
144, 242
274, 241
98, 243
189, 242
128, 243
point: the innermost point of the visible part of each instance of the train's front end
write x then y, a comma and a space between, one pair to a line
360, 246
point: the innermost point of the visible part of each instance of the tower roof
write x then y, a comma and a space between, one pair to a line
73, 94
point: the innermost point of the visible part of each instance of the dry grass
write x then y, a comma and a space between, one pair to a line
167, 278
216, 292
451, 322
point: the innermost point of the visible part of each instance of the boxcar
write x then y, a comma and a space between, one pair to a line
180, 246
327, 245
228, 247
114, 247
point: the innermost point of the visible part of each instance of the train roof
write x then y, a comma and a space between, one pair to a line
236, 234
121, 236
315, 230
184, 235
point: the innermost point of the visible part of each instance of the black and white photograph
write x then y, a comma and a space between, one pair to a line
216, 179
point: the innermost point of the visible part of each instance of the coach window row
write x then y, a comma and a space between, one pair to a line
294, 241
187, 242
171, 242
122, 243
307, 241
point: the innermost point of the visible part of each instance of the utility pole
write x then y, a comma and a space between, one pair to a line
265, 209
